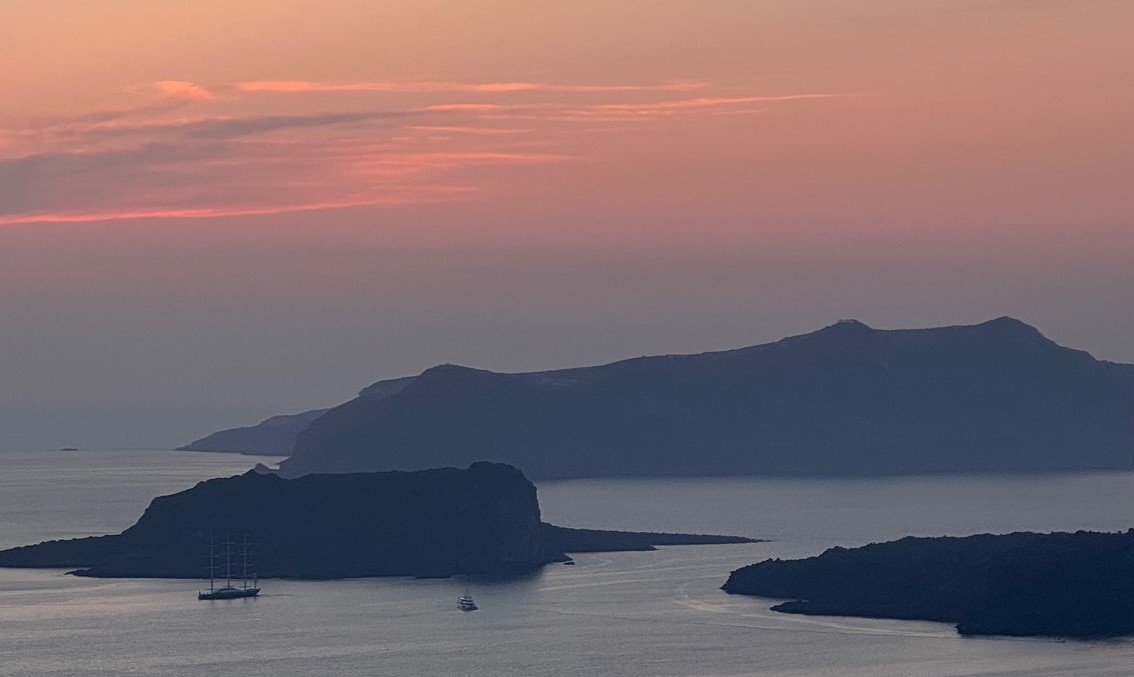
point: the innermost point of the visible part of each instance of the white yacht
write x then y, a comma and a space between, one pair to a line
465, 603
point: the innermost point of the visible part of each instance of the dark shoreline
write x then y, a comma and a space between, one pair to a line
1075, 585
565, 539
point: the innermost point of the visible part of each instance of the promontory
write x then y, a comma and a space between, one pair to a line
484, 520
1023, 584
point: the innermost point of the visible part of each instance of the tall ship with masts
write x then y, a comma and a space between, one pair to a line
228, 590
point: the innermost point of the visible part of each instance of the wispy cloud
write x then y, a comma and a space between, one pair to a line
607, 112
625, 111
451, 87
711, 101
456, 129
471, 107
436, 194
260, 124
181, 89
191, 150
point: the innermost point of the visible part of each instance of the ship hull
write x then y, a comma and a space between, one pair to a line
229, 593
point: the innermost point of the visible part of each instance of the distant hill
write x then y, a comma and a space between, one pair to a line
1022, 584
272, 437
844, 400
276, 436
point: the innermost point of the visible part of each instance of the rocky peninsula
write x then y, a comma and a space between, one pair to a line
1022, 584
484, 520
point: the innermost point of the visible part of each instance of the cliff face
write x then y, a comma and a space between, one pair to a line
848, 399
483, 520
1023, 584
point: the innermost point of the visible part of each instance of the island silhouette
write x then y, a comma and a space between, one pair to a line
845, 400
1022, 584
483, 520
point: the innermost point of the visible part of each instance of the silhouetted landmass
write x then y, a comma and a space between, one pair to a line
484, 520
1022, 584
595, 540
845, 400
272, 437
276, 435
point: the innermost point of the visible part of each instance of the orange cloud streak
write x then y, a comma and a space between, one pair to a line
181, 89
438, 193
423, 161
151, 161
437, 86
454, 129
708, 102
468, 107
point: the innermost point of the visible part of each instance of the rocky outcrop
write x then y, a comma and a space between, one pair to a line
1022, 584
845, 400
484, 520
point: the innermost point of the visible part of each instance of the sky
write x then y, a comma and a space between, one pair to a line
212, 212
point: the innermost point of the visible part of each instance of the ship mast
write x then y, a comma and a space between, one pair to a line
245, 553
228, 559
212, 562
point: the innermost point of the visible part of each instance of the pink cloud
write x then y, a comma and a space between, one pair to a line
468, 107
437, 194
442, 86
456, 129
182, 89
707, 102
155, 161
402, 163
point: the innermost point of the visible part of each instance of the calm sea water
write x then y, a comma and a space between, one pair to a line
634, 614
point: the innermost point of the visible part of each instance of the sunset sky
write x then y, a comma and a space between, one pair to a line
211, 212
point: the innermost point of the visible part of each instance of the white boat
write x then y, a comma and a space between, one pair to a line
228, 590
465, 603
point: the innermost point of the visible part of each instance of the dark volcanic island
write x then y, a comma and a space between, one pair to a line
1023, 584
484, 520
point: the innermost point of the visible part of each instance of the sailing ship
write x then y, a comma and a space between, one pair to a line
228, 590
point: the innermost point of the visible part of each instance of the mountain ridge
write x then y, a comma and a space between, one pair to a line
846, 399
274, 436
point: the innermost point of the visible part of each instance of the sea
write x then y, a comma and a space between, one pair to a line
635, 614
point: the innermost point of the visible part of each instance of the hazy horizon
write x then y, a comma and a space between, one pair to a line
208, 217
